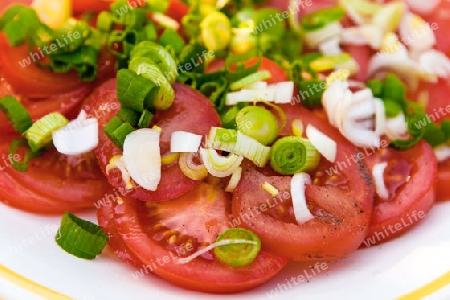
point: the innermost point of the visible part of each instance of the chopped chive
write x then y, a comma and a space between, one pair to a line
16, 114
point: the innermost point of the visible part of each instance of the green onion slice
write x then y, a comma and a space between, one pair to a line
16, 113
290, 155
21, 166
129, 115
239, 61
258, 123
19, 23
329, 62
252, 78
39, 135
321, 18
242, 248
171, 38
81, 238
145, 119
216, 31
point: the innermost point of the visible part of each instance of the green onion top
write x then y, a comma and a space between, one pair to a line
39, 135
238, 254
258, 123
321, 18
16, 113
81, 238
292, 154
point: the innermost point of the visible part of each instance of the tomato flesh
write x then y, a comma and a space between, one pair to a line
161, 233
340, 199
190, 112
54, 183
443, 181
409, 179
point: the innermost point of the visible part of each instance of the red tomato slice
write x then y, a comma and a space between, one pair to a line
190, 112
340, 198
82, 6
161, 233
443, 181
34, 82
54, 183
177, 10
440, 17
409, 178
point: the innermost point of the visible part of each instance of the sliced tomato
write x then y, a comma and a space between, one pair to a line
161, 233
443, 181
190, 112
81, 6
54, 183
340, 198
177, 10
277, 72
439, 20
409, 179
32, 81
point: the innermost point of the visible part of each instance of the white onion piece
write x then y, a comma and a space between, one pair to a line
315, 38
234, 98
182, 141
416, 33
361, 110
435, 62
442, 153
331, 97
397, 62
284, 92
363, 35
396, 127
330, 46
360, 136
301, 211
259, 85
423, 7
141, 154
78, 136
378, 177
380, 117
234, 180
323, 144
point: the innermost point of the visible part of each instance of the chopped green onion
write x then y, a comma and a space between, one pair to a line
252, 78
19, 23
81, 238
216, 31
105, 21
311, 92
238, 253
292, 154
171, 38
239, 61
120, 133
16, 113
22, 166
321, 18
149, 71
39, 134
218, 165
277, 28
391, 108
159, 56
376, 85
215, 91
244, 145
229, 118
129, 115
329, 62
84, 60
258, 123
135, 91
110, 127
394, 88
145, 119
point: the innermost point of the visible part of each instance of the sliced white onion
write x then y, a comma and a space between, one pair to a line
362, 109
141, 154
315, 38
378, 177
234, 180
396, 127
330, 46
363, 35
435, 62
234, 98
301, 211
183, 141
380, 117
416, 33
359, 135
323, 144
423, 7
284, 92
442, 153
218, 165
78, 136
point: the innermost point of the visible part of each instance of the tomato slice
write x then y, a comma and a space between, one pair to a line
340, 198
409, 178
82, 6
161, 233
54, 183
443, 181
190, 112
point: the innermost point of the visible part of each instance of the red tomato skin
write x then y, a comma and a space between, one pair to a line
443, 181
416, 196
177, 10
197, 117
82, 6
316, 239
199, 274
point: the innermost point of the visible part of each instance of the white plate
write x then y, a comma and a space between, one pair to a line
382, 272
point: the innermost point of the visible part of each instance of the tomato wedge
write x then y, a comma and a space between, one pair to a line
443, 181
340, 198
409, 178
54, 183
161, 233
190, 112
